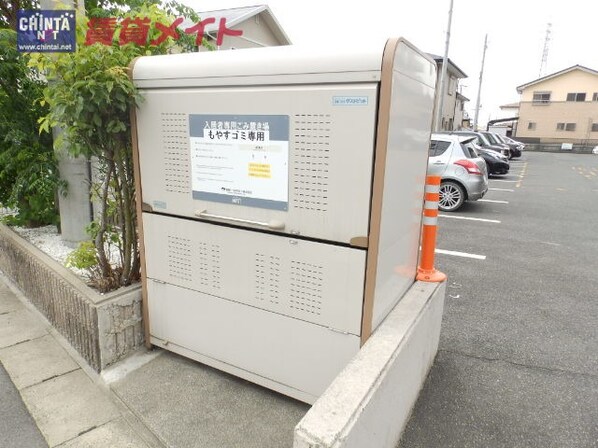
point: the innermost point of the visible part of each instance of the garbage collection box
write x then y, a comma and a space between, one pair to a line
280, 192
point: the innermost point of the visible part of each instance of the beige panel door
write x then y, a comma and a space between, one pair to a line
285, 354
313, 282
323, 193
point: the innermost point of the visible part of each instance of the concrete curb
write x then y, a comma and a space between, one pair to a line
369, 403
556, 148
103, 328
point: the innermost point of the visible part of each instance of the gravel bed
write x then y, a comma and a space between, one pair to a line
48, 240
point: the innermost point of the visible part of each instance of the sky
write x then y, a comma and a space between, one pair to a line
516, 34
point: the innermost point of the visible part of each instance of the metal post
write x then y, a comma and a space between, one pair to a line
477, 103
440, 108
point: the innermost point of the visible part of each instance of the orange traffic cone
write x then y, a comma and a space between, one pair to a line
426, 271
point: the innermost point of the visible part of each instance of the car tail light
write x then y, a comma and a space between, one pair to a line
470, 166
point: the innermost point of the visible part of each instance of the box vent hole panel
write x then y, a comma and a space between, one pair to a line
179, 258
306, 287
209, 265
175, 145
310, 168
267, 278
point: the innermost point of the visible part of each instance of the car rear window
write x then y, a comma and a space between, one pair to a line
490, 138
469, 150
438, 147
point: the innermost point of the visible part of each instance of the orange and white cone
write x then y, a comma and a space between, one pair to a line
426, 271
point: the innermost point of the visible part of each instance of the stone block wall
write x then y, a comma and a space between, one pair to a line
103, 328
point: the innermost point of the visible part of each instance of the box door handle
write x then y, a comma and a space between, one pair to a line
272, 224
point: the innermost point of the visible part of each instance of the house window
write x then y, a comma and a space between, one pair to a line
595, 96
594, 127
565, 126
531, 126
576, 96
541, 98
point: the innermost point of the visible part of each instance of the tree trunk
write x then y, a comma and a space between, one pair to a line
103, 260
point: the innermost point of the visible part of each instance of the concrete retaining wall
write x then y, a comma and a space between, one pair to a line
103, 328
369, 403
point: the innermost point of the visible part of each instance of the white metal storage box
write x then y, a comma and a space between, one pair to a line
281, 194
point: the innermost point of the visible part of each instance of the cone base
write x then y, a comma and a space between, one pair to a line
432, 276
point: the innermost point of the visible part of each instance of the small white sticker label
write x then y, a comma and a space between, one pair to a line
349, 100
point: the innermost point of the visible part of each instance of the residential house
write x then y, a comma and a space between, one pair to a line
454, 101
506, 121
461, 119
258, 24
561, 107
509, 110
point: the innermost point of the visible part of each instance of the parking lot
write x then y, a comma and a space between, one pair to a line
518, 358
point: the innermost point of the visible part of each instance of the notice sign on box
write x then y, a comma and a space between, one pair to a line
240, 159
46, 31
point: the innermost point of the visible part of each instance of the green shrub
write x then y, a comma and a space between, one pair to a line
91, 97
85, 257
28, 167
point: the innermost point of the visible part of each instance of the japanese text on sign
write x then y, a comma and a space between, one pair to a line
136, 31
238, 130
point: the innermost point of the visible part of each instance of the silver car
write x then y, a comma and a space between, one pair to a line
463, 172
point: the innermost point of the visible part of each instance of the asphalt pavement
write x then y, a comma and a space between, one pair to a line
518, 358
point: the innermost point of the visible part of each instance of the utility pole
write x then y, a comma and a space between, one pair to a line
75, 207
477, 103
440, 107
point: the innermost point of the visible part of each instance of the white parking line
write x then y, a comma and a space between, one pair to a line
468, 218
493, 201
501, 189
460, 254
501, 180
